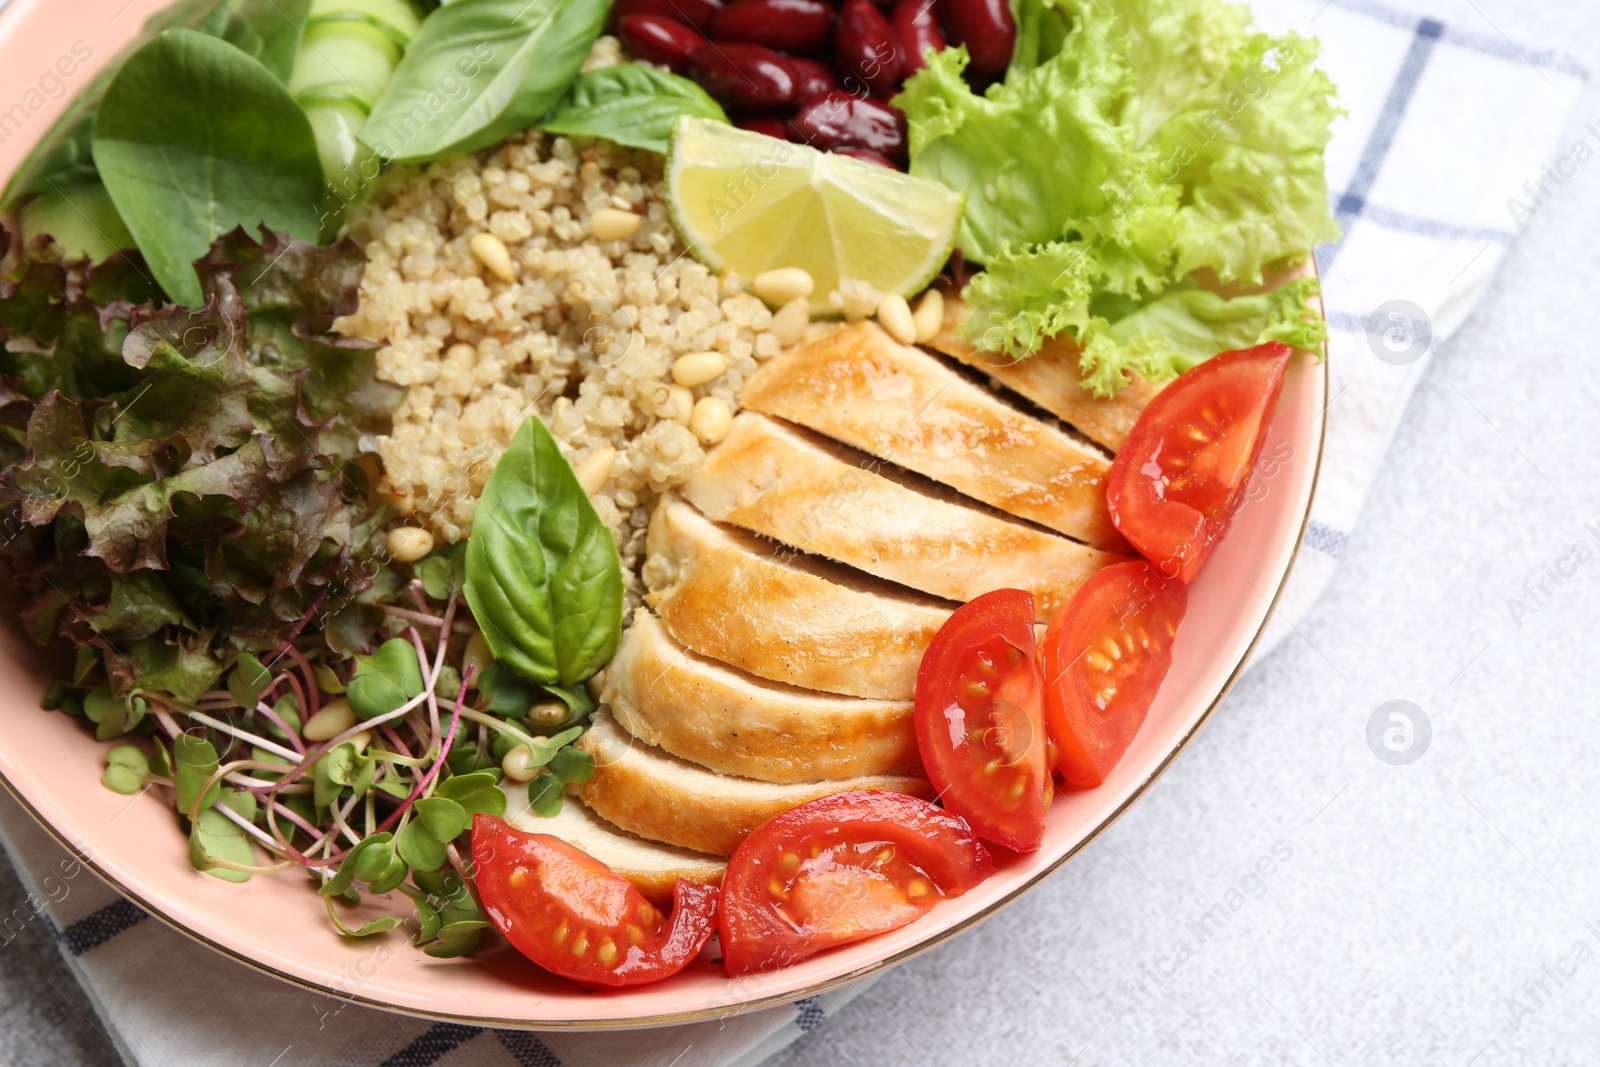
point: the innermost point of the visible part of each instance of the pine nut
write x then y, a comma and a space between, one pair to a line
492, 253
548, 715
594, 469
407, 544
778, 287
609, 224
929, 316
698, 368
476, 658
789, 324
894, 315
711, 419
517, 764
680, 402
331, 720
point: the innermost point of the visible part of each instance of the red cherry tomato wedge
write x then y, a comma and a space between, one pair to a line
840, 869
1105, 655
570, 914
980, 723
1180, 477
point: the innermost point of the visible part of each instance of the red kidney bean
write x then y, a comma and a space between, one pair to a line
916, 24
840, 120
772, 127
867, 155
986, 28
810, 77
696, 13
866, 50
743, 75
786, 25
658, 40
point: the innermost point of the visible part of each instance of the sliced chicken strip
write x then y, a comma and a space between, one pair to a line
780, 615
858, 385
790, 486
733, 723
653, 868
663, 798
1052, 379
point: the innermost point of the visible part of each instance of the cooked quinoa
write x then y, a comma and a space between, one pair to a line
583, 333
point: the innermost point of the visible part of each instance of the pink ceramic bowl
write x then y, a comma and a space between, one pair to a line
277, 925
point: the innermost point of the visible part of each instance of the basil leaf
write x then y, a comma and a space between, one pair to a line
477, 793
195, 138
543, 577
385, 680
477, 72
630, 104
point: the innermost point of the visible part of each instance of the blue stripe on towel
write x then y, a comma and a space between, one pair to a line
1354, 201
1488, 45
811, 1014
1326, 539
431, 1045
96, 929
1444, 231
527, 1049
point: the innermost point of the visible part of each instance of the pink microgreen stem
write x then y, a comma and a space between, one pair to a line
433, 772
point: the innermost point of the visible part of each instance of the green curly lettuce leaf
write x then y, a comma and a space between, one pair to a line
1133, 146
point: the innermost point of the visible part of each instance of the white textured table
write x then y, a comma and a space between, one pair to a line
1429, 913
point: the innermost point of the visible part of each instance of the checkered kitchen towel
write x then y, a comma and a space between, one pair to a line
1453, 138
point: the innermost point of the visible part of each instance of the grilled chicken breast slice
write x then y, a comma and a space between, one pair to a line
652, 867
732, 723
650, 793
1051, 378
858, 385
773, 479
774, 613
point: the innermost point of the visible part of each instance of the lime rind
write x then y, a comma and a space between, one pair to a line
746, 202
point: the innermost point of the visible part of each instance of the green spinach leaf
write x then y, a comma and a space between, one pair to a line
477, 72
630, 104
543, 577
61, 166
195, 138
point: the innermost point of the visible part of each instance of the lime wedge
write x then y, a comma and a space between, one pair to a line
748, 202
